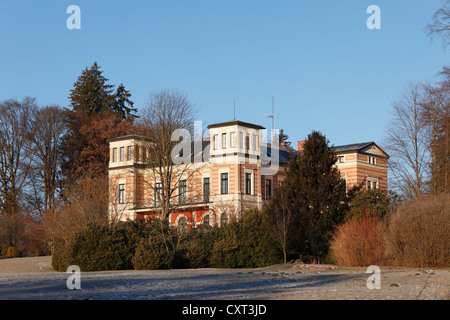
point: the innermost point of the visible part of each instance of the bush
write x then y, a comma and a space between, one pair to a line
151, 254
12, 252
149, 245
358, 242
101, 247
61, 258
245, 244
375, 202
418, 233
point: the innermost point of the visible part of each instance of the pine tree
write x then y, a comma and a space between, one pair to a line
122, 103
320, 197
284, 138
91, 93
97, 113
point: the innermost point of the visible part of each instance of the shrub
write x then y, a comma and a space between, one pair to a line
151, 254
61, 258
418, 233
375, 202
358, 242
196, 248
245, 244
12, 252
101, 247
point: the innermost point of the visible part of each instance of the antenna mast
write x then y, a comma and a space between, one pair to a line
272, 115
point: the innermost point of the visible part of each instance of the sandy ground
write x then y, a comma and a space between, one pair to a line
34, 278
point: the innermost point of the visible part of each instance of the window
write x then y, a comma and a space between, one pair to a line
268, 188
216, 142
130, 151
137, 153
248, 183
205, 219
158, 193
254, 141
224, 140
114, 154
144, 153
374, 184
122, 153
372, 160
241, 139
182, 191
368, 185
121, 193
247, 141
224, 183
206, 189
340, 159
232, 140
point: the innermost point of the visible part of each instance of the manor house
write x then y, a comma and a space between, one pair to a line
236, 172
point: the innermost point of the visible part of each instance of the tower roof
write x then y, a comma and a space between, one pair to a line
236, 122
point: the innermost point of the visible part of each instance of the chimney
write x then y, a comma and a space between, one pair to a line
283, 144
300, 145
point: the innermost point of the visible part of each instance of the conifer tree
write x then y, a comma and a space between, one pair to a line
91, 93
94, 105
122, 103
320, 201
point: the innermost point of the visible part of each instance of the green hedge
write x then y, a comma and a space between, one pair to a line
101, 247
139, 245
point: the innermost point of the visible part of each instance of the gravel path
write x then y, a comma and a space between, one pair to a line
34, 278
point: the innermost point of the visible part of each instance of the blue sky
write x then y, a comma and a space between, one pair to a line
327, 70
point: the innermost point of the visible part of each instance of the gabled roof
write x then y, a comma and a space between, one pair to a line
352, 147
358, 147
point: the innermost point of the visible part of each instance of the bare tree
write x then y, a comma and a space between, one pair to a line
168, 115
436, 111
16, 152
440, 27
87, 203
280, 217
47, 134
407, 143
165, 114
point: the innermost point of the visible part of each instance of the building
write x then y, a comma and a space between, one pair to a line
363, 163
232, 172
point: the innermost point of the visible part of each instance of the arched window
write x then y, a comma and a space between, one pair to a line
206, 219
